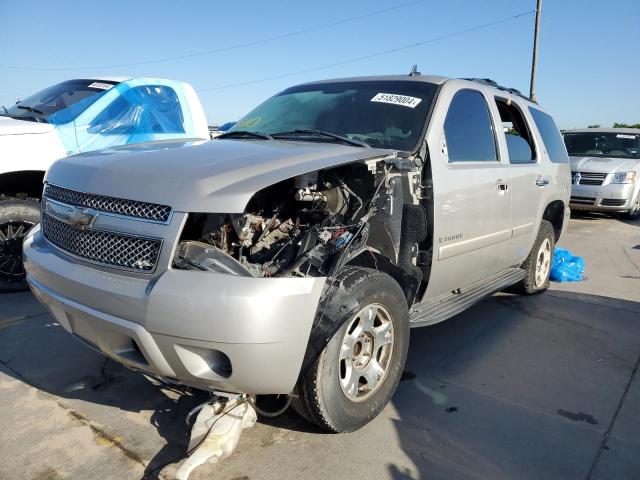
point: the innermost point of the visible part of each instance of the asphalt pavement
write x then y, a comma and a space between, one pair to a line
540, 387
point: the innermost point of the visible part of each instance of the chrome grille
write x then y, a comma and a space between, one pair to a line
590, 178
135, 253
129, 208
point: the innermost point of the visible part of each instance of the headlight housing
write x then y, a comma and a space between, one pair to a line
624, 177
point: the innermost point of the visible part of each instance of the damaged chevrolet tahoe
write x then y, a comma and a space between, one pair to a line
292, 254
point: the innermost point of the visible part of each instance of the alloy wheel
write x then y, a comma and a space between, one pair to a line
365, 354
543, 263
11, 236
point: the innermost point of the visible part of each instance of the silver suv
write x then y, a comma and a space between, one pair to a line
605, 165
292, 254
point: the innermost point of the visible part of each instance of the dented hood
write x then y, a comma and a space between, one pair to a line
199, 176
603, 164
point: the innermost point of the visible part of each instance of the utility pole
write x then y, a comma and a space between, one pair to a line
534, 61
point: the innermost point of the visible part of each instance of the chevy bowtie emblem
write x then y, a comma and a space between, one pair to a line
576, 178
77, 216
81, 217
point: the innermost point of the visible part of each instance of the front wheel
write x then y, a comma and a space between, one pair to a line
358, 371
17, 217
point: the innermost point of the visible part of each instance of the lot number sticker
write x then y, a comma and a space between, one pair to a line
622, 135
101, 85
404, 100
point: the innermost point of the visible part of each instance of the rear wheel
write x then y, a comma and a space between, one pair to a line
358, 371
537, 266
17, 217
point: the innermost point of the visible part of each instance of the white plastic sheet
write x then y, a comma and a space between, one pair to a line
214, 437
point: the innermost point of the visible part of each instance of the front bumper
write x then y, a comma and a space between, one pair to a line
612, 197
210, 331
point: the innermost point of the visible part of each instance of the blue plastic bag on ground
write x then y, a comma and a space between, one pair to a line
566, 267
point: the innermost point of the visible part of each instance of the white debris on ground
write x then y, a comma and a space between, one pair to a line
216, 432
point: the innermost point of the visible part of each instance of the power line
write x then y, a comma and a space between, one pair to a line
223, 49
372, 55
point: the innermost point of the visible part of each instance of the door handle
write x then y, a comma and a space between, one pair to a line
502, 186
542, 182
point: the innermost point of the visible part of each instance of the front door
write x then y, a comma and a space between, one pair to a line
472, 195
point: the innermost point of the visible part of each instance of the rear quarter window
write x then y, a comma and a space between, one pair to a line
550, 136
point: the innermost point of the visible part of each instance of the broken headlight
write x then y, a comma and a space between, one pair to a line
192, 255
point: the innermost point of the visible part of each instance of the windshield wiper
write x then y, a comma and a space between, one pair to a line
245, 134
6, 112
321, 133
35, 111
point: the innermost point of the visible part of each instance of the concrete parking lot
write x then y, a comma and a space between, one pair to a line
516, 387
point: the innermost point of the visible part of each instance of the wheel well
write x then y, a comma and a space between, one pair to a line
374, 260
554, 214
25, 183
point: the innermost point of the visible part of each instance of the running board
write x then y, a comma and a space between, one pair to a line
446, 306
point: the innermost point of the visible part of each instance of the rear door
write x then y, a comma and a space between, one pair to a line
471, 189
555, 159
527, 176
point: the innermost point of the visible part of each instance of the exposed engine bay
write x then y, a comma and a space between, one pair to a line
297, 227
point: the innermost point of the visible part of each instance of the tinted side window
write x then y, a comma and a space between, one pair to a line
468, 128
550, 136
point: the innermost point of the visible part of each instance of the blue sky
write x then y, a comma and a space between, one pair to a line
588, 71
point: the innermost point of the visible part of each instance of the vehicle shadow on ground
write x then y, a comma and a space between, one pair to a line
460, 377
40, 353
516, 387
37, 351
584, 215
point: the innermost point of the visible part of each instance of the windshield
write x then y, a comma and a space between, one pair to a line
382, 114
598, 144
58, 99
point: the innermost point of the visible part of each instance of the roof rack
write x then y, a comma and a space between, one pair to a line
494, 84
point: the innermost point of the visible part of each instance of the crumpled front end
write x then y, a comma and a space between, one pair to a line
207, 330
225, 299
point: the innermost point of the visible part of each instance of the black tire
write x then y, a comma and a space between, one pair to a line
17, 217
528, 285
320, 396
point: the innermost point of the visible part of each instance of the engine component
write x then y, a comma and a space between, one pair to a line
306, 195
294, 227
253, 224
306, 181
282, 230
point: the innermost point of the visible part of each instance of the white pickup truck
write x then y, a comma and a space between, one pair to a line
79, 116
